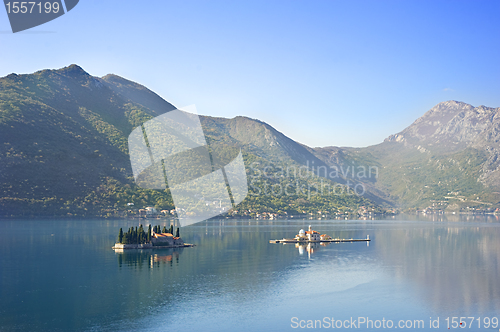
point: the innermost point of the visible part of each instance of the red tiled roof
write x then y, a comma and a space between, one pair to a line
162, 235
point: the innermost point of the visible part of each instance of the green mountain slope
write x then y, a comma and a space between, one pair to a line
446, 160
63, 151
63, 135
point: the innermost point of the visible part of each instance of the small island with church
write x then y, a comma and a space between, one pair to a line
153, 238
312, 236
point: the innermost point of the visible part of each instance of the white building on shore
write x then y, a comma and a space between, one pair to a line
309, 235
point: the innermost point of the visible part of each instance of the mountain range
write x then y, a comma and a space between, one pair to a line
63, 151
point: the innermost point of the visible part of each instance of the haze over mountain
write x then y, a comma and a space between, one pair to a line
63, 136
448, 158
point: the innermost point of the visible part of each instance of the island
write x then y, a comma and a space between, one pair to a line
154, 238
312, 236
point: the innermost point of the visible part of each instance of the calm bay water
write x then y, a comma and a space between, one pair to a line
62, 275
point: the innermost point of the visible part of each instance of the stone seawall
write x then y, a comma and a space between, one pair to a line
148, 246
133, 246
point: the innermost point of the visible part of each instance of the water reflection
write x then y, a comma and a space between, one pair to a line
310, 248
455, 267
73, 280
449, 217
147, 258
164, 259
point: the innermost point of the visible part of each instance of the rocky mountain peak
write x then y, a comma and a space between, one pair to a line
449, 125
73, 70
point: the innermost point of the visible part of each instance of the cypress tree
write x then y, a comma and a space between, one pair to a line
148, 236
141, 234
125, 238
154, 229
171, 231
120, 236
164, 229
177, 232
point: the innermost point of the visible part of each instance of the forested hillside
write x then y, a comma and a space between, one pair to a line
63, 152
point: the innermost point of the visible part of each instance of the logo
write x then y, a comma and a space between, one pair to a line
25, 15
171, 151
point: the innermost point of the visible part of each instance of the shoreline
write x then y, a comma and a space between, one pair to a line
120, 246
352, 216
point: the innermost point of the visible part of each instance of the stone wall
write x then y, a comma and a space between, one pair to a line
133, 246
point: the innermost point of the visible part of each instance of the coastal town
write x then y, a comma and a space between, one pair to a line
362, 211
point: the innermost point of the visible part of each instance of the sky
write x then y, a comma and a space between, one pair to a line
342, 73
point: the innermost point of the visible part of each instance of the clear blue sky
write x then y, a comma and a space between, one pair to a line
344, 73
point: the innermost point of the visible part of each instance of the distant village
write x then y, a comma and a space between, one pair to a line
362, 211
456, 203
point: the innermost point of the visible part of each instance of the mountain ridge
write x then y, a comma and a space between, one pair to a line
453, 148
449, 157
64, 149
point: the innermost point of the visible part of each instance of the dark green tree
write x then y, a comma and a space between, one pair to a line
148, 236
177, 232
164, 229
171, 231
120, 236
125, 239
141, 235
155, 229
